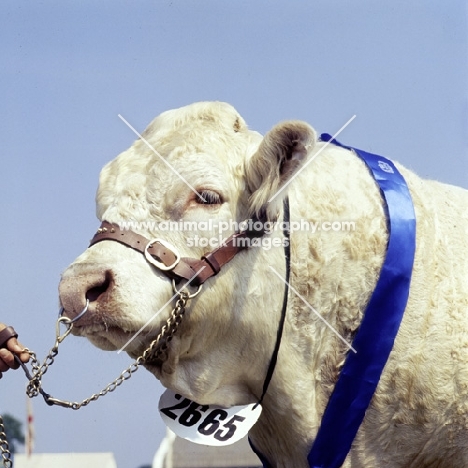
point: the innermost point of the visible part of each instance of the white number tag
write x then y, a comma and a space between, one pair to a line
206, 424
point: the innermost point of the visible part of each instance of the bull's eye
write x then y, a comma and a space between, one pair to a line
208, 197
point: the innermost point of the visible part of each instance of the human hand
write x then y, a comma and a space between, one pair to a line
9, 347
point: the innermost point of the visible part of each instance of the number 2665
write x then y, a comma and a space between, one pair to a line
212, 423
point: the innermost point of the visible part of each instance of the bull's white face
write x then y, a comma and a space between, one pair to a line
204, 148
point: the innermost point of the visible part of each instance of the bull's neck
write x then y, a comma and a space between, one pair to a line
289, 418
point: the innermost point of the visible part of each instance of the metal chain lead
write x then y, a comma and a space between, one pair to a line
34, 386
156, 348
5, 448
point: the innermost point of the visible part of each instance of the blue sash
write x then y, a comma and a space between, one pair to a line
374, 340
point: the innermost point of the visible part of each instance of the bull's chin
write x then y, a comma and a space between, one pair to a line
155, 368
113, 338
103, 342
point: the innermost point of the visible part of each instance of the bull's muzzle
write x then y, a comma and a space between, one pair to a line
82, 284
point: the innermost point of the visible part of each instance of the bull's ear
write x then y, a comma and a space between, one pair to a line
282, 152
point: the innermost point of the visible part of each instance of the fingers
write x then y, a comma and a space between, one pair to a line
17, 348
7, 360
19, 351
7, 357
7, 353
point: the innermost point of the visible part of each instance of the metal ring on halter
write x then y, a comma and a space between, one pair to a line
69, 321
178, 291
155, 262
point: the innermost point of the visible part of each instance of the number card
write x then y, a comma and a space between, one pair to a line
206, 424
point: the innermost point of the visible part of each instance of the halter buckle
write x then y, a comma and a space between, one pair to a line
155, 262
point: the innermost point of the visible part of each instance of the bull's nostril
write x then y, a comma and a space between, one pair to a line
96, 291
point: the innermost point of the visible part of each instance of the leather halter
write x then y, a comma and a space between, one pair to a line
165, 258
160, 254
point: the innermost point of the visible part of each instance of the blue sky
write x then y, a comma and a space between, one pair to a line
69, 68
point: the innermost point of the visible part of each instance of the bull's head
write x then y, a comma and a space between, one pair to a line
194, 164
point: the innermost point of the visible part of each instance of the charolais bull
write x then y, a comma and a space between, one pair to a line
289, 291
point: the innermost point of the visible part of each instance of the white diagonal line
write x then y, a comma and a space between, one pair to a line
312, 309
311, 159
158, 312
162, 159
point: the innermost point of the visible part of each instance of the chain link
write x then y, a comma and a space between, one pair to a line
157, 348
5, 448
